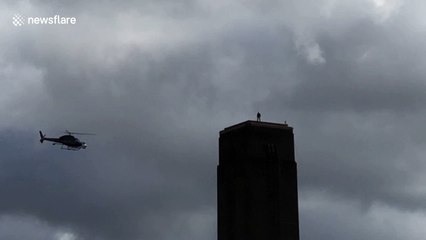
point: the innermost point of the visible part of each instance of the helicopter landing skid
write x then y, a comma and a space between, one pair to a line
69, 148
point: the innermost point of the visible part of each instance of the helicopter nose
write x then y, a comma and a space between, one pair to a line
84, 146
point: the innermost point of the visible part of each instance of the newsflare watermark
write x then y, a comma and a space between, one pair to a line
20, 20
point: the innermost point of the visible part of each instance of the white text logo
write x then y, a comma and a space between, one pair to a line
19, 20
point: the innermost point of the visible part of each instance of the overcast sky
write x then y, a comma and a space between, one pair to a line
158, 80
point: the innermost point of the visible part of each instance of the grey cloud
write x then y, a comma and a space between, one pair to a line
359, 115
157, 106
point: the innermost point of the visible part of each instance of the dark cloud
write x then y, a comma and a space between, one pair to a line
357, 115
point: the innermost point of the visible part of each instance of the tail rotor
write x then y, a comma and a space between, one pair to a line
41, 137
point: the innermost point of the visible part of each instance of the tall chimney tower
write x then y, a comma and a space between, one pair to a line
257, 183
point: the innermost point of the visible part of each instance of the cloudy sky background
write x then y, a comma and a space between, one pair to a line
157, 81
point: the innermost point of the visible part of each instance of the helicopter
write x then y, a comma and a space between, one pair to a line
68, 142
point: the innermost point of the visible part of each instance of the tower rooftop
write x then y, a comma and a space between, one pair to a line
251, 123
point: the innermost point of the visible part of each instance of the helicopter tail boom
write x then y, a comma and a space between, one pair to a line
41, 136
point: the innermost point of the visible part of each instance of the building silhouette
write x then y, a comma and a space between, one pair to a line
257, 183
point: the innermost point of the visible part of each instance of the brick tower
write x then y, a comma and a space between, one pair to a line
257, 183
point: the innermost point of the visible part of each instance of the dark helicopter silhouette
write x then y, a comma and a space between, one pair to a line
68, 142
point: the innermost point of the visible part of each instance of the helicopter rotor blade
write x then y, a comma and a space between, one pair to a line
78, 133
